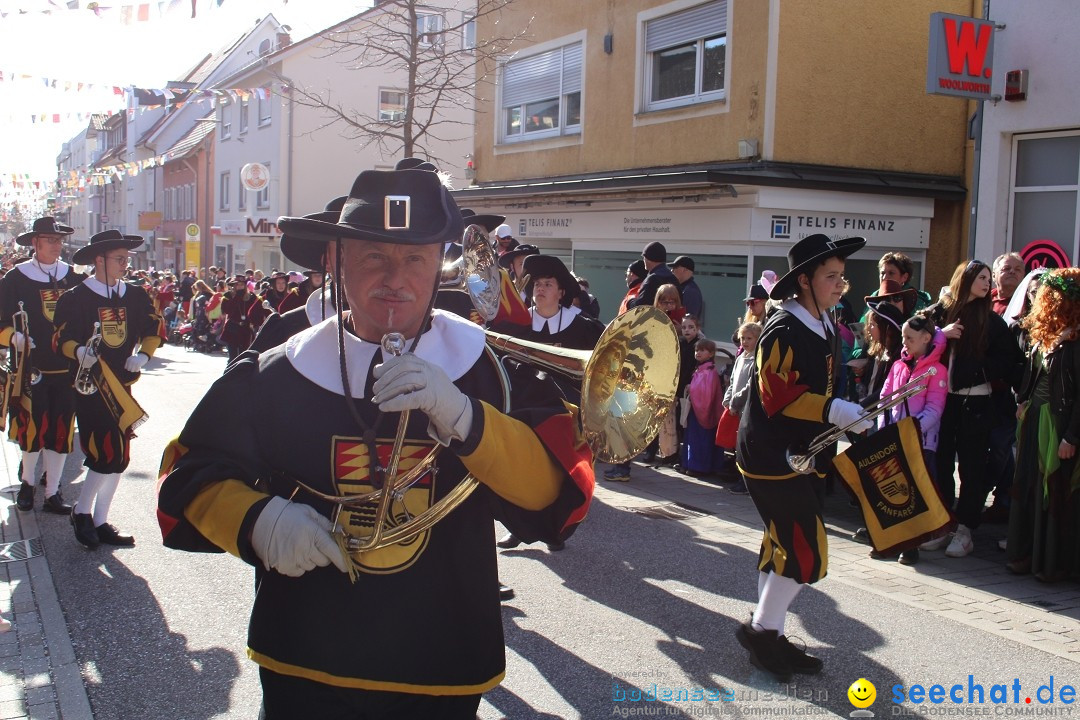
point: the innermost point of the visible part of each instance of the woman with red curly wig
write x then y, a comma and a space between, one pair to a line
1043, 520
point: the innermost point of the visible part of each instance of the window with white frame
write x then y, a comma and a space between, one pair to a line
262, 198
468, 31
391, 106
429, 30
226, 120
541, 95
686, 56
1046, 195
243, 116
225, 180
241, 195
263, 95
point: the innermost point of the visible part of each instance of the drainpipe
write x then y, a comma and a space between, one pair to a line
289, 149
975, 128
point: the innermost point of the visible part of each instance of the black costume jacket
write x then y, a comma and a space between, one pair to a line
280, 327
796, 373
1062, 367
424, 615
127, 321
39, 294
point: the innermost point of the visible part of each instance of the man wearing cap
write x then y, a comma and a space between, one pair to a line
683, 270
658, 273
412, 629
130, 332
504, 240
635, 274
43, 418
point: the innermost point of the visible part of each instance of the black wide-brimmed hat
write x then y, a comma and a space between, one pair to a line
102, 243
757, 292
310, 253
488, 222
507, 258
406, 207
889, 312
549, 266
808, 252
44, 226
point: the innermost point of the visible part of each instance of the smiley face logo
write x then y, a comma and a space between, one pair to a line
862, 693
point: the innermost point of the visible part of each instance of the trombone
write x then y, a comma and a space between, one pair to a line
803, 462
84, 383
20, 323
628, 387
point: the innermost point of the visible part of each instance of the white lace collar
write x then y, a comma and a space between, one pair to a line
557, 322
815, 324
99, 287
44, 273
453, 342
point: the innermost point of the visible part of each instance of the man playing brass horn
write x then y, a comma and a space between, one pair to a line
130, 331
411, 629
46, 424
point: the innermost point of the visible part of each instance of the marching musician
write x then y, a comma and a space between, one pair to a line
130, 333
243, 311
281, 297
44, 421
792, 400
411, 629
313, 282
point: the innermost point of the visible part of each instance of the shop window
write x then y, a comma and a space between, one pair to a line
1045, 198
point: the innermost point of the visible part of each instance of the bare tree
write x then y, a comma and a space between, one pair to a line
441, 63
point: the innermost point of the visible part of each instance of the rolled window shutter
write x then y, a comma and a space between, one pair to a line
682, 27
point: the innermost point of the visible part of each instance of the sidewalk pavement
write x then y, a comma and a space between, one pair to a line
40, 677
976, 590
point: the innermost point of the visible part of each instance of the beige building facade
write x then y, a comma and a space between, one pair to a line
727, 129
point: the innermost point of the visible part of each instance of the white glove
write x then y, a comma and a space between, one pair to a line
408, 382
18, 340
842, 413
86, 357
135, 363
293, 538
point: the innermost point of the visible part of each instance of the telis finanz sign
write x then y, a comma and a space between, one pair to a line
961, 56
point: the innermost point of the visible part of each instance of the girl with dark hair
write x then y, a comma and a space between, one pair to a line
1044, 516
884, 339
980, 350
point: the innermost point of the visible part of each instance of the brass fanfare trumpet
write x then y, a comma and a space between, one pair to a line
20, 357
628, 387
84, 383
802, 461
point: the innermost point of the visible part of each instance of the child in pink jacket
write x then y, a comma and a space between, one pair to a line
923, 346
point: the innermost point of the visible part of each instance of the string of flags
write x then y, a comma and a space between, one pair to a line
126, 13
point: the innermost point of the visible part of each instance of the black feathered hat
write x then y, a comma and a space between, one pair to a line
44, 226
807, 253
507, 258
102, 243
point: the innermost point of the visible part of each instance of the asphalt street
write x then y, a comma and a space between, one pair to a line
639, 603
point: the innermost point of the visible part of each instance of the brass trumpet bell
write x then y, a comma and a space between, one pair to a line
476, 272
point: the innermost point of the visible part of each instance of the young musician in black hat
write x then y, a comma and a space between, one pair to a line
791, 402
243, 312
43, 418
130, 331
268, 492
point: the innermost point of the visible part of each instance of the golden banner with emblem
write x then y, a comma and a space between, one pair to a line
122, 406
886, 473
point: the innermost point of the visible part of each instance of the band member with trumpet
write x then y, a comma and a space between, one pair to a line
278, 493
42, 422
244, 312
128, 332
792, 399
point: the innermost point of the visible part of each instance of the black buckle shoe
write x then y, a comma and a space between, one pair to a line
85, 532
25, 499
509, 542
800, 661
55, 504
505, 593
766, 651
109, 535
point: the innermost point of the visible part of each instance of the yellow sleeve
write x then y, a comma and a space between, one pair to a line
219, 510
535, 479
150, 344
5, 335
